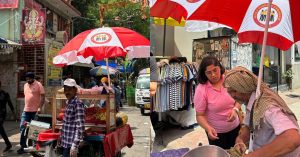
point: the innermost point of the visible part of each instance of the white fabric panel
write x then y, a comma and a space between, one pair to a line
189, 6
200, 26
284, 28
114, 40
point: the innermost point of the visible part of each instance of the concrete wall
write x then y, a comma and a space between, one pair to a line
295, 69
184, 42
296, 80
10, 22
157, 36
8, 77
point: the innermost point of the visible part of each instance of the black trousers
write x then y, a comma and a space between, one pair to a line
2, 131
226, 140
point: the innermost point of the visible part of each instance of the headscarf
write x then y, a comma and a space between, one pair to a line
242, 80
104, 79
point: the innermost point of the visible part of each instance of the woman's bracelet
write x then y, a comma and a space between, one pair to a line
236, 109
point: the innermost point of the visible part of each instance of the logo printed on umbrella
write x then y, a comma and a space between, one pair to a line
260, 15
192, 1
101, 38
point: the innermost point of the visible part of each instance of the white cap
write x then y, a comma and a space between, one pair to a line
70, 83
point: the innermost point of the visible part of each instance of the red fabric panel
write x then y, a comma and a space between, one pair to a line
46, 136
75, 43
99, 53
295, 16
166, 9
227, 12
117, 140
273, 39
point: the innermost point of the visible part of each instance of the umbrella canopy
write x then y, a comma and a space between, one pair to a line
8, 43
256, 21
179, 10
103, 43
102, 70
248, 19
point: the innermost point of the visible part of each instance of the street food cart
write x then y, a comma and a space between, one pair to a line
102, 136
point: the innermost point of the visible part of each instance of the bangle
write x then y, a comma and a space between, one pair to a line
236, 109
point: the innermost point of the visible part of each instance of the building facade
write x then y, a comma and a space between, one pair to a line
42, 27
223, 43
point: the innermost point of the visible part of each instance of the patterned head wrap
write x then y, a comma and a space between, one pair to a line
242, 80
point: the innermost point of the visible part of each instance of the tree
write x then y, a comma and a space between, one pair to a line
131, 16
89, 15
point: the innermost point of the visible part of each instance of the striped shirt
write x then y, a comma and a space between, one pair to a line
73, 123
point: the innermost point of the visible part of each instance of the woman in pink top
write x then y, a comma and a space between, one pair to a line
216, 110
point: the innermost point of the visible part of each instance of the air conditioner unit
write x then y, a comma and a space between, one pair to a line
62, 36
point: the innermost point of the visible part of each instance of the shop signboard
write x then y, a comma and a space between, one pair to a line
217, 46
54, 73
33, 26
9, 4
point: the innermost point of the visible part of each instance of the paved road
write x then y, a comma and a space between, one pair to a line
140, 128
175, 138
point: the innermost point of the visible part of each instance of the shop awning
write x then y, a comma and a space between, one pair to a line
5, 43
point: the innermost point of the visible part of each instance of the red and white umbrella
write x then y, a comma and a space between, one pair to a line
181, 10
248, 18
103, 43
267, 22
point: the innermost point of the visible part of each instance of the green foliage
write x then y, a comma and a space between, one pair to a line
89, 15
138, 64
288, 74
131, 16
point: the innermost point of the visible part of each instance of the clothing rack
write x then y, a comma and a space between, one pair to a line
176, 88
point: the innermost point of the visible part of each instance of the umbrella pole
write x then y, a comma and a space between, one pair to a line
164, 37
106, 59
263, 51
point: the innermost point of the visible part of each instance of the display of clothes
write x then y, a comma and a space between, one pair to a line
176, 87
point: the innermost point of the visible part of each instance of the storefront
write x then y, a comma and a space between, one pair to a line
9, 68
226, 49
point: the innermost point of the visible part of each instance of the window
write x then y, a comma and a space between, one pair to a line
143, 82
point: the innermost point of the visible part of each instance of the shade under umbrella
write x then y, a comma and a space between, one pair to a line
102, 70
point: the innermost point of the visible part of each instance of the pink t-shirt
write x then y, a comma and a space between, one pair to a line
33, 96
274, 123
216, 104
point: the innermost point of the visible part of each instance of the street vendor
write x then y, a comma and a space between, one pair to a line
270, 127
216, 110
73, 122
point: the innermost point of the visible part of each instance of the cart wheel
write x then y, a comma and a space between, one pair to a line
142, 111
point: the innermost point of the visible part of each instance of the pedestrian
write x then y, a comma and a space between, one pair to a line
269, 126
216, 110
5, 99
118, 92
92, 83
153, 75
34, 100
73, 122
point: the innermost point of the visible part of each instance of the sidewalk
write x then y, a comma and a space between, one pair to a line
139, 124
175, 138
